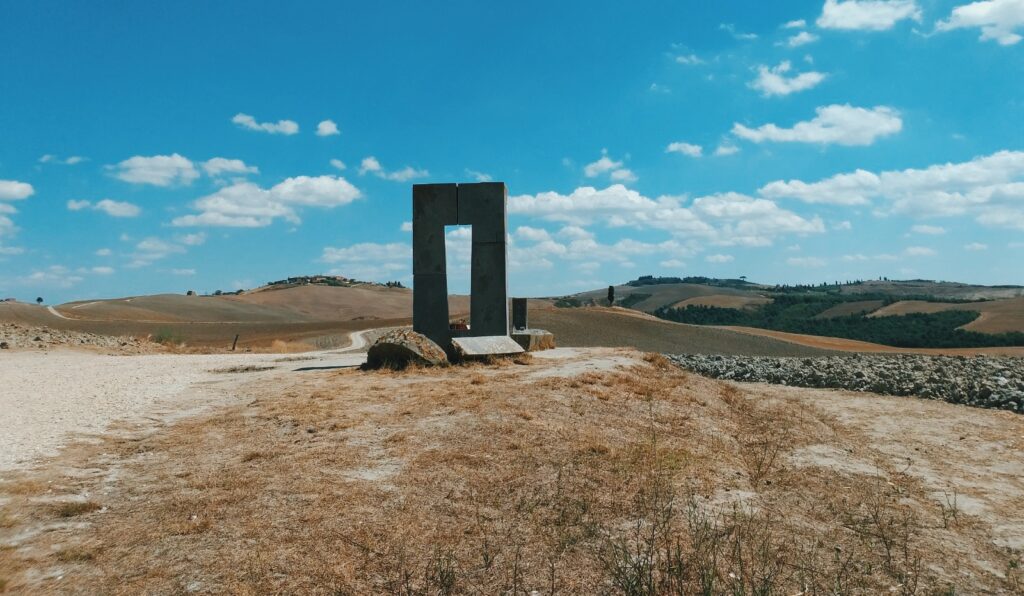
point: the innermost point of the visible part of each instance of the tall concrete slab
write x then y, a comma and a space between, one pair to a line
488, 302
433, 207
520, 314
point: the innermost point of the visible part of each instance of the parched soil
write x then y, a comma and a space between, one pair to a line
571, 472
604, 327
997, 316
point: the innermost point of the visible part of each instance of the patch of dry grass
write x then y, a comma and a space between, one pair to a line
75, 508
478, 479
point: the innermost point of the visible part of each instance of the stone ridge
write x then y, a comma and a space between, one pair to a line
980, 381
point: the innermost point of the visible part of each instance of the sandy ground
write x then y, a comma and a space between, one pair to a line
50, 395
307, 461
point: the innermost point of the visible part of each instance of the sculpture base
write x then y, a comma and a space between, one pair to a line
534, 340
485, 345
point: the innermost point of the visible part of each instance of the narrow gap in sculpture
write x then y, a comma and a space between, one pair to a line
458, 241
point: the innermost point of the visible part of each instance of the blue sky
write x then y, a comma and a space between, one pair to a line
220, 145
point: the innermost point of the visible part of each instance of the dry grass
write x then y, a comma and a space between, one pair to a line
481, 479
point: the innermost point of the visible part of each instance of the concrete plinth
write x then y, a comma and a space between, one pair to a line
534, 340
477, 347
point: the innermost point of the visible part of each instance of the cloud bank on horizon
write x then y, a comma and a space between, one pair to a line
837, 139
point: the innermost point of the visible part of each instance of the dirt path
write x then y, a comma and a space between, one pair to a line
53, 311
49, 396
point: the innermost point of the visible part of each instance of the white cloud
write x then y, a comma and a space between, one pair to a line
55, 276
869, 15
8, 251
221, 165
672, 264
245, 204
801, 39
929, 230
840, 124
12, 190
731, 30
406, 226
104, 252
327, 128
726, 148
975, 246
284, 127
843, 225
725, 219
102, 270
610, 166
773, 81
684, 148
370, 260
338, 164
108, 206
808, 262
158, 170
183, 272
719, 258
689, 59
479, 176
197, 239
997, 20
919, 251
117, 208
70, 161
797, 24
370, 165
990, 187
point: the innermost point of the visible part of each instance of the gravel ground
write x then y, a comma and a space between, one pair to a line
981, 381
16, 336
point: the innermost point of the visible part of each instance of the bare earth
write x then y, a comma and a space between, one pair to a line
556, 473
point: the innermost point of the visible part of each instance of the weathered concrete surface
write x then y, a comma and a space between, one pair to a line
483, 206
520, 317
402, 347
534, 340
494, 345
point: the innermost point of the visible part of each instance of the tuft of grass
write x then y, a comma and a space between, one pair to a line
76, 508
167, 337
75, 555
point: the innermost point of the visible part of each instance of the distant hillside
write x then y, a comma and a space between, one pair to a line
938, 314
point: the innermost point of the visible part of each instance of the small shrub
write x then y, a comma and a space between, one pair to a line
76, 508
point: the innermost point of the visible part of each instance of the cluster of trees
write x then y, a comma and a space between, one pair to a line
795, 314
650, 280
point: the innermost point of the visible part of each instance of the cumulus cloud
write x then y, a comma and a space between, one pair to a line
801, 39
991, 188
102, 270
479, 176
370, 260
928, 230
103, 252
997, 19
975, 246
773, 80
689, 59
726, 148
719, 258
108, 206
370, 165
70, 161
55, 276
684, 148
183, 272
725, 219
220, 165
157, 170
284, 127
197, 239
919, 251
797, 24
12, 190
868, 15
244, 204
607, 165
327, 128
735, 33
338, 164
834, 124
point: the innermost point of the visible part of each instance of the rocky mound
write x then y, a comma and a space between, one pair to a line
981, 381
16, 336
401, 347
